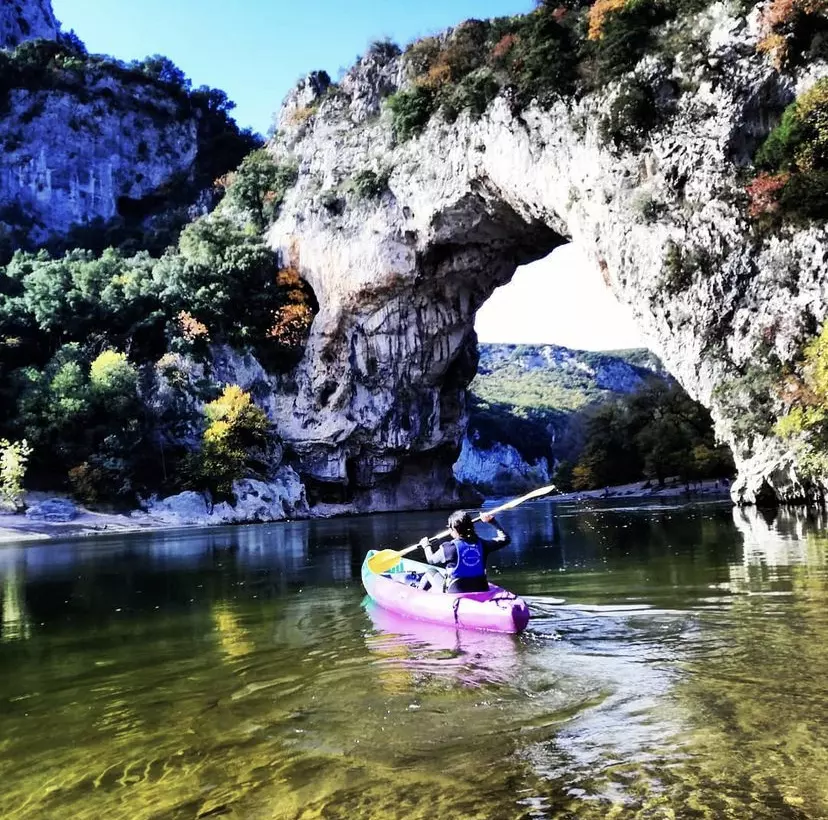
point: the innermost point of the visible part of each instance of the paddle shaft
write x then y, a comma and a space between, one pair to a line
508, 506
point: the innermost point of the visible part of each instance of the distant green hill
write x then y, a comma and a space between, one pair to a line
533, 397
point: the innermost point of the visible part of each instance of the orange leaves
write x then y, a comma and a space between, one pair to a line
191, 328
504, 46
778, 21
291, 324
292, 321
781, 13
436, 77
776, 47
598, 13
764, 191
301, 115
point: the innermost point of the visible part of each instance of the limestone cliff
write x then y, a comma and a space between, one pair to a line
26, 20
403, 240
88, 139
72, 158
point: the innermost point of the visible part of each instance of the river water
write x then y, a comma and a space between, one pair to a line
676, 666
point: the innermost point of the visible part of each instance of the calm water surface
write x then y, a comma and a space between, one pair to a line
676, 666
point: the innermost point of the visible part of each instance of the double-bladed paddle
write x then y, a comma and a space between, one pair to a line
384, 560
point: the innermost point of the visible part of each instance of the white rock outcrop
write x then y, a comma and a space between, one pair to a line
380, 395
499, 469
255, 501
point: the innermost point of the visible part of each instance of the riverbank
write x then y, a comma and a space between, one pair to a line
710, 488
18, 527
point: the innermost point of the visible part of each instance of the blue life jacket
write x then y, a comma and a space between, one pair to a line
471, 560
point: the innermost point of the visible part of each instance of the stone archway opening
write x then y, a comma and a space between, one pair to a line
539, 336
561, 299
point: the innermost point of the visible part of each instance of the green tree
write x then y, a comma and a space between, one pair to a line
237, 437
114, 381
13, 458
259, 185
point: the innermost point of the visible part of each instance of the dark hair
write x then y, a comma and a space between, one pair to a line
462, 522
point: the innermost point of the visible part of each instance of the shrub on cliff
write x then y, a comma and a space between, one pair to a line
473, 94
794, 161
237, 437
368, 184
228, 280
411, 110
163, 70
258, 186
792, 29
805, 393
542, 63
632, 115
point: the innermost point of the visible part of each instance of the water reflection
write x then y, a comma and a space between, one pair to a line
16, 623
237, 673
783, 550
410, 650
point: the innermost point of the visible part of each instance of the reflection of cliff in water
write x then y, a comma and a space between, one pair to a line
172, 569
783, 549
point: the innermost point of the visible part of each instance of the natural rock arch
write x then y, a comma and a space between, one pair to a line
377, 409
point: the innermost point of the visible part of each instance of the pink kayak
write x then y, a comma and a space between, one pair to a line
496, 610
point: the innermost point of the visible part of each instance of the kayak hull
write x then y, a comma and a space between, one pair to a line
496, 610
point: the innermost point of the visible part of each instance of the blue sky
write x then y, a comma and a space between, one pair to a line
256, 50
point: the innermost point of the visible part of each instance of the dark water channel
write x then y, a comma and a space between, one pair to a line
238, 673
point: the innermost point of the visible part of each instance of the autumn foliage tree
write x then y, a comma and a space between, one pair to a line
805, 423
793, 161
237, 437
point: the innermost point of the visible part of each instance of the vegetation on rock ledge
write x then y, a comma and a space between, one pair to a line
793, 162
556, 51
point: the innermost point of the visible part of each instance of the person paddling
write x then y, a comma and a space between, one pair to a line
464, 556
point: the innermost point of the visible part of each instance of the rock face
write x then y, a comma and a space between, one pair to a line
27, 20
72, 157
88, 138
499, 469
379, 400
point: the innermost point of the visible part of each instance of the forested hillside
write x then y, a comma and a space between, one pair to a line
594, 418
110, 331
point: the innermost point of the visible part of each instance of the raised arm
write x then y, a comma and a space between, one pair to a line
501, 538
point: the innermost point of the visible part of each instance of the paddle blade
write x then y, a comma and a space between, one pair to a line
517, 501
383, 561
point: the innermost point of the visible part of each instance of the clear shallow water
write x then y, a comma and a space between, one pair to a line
239, 673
